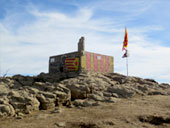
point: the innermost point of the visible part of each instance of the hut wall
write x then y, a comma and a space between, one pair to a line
64, 62
97, 62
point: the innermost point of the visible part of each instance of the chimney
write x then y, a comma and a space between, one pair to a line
81, 44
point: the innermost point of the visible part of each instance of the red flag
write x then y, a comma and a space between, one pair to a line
125, 42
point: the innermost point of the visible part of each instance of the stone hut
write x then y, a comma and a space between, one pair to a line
80, 60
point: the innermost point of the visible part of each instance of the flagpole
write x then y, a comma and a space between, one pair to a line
127, 65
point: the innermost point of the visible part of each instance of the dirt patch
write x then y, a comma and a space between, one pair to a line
84, 125
155, 120
90, 125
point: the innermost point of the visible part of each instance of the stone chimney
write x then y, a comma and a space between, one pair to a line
81, 44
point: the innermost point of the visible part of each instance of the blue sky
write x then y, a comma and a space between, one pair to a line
33, 30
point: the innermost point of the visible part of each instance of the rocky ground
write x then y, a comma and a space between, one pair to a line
86, 100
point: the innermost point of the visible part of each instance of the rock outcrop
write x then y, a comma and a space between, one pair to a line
25, 94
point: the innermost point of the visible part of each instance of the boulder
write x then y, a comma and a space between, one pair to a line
151, 80
116, 77
4, 89
111, 99
60, 124
84, 103
78, 91
23, 102
33, 91
95, 97
157, 92
109, 94
62, 97
164, 86
32, 104
46, 103
6, 110
45, 77
63, 94
4, 100
123, 92
143, 88
23, 80
43, 86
